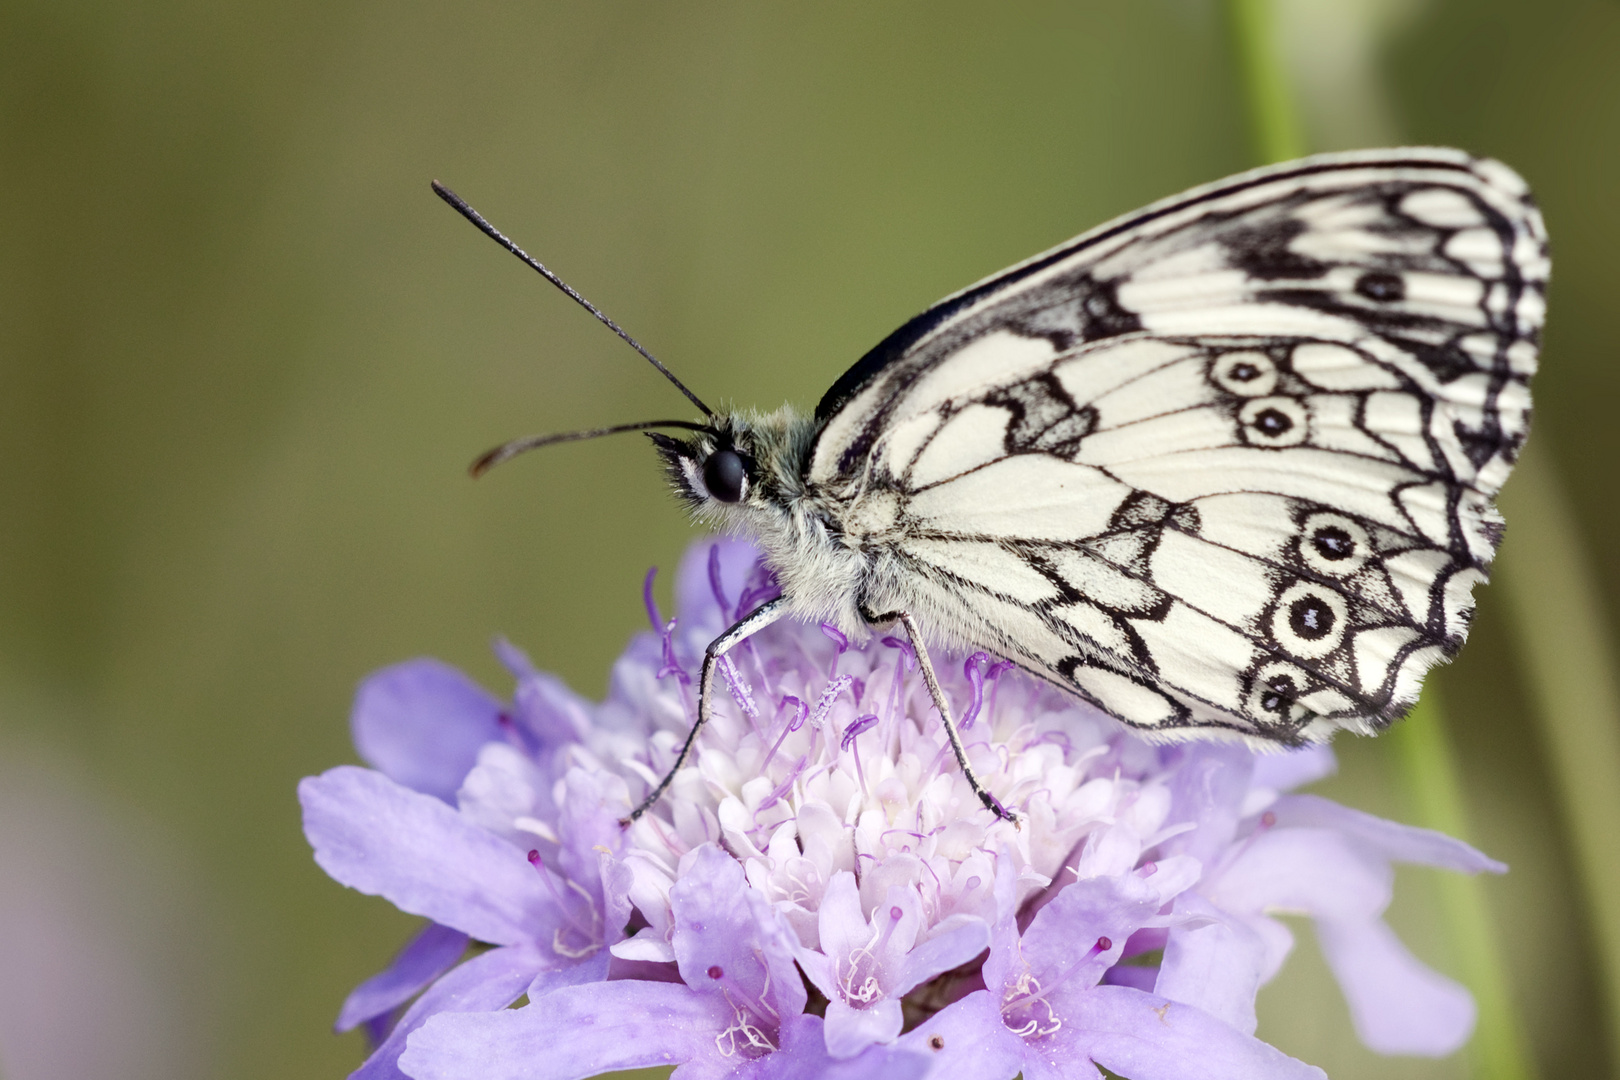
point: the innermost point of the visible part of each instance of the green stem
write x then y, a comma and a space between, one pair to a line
1498, 1050
1567, 649
1273, 117
1428, 766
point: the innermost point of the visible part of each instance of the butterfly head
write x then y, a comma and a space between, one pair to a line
738, 468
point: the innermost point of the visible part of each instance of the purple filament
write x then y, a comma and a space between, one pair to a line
741, 692
829, 696
1057, 738
653, 617
762, 586
860, 724
714, 583
785, 786
840, 642
801, 713
977, 669
672, 666
975, 675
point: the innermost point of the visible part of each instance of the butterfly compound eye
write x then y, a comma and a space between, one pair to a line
724, 475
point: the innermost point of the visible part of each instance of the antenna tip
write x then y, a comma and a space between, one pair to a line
485, 462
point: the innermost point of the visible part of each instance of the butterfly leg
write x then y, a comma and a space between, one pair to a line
744, 627
906, 619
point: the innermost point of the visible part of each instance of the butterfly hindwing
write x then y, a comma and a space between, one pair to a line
1225, 463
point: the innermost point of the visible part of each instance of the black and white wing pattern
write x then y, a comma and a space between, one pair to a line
1226, 463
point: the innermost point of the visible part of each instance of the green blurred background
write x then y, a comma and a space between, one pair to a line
245, 357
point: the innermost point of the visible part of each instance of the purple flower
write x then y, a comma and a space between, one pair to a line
820, 894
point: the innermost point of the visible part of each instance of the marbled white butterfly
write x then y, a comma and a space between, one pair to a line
1223, 466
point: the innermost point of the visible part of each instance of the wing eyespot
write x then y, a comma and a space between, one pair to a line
1275, 698
1247, 374
1333, 545
1382, 286
1273, 422
1309, 621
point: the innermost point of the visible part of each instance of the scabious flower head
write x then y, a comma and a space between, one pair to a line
820, 893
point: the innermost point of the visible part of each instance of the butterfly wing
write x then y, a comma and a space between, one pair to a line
1225, 463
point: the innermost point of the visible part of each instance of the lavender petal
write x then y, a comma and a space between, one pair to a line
1398, 1005
491, 981
1004, 945
850, 1030
1314, 871
1296, 768
803, 1056
588, 822
968, 1041
1207, 790
550, 711
1390, 839
421, 723
575, 1033
424, 958
942, 952
728, 938
1147, 1037
1216, 964
593, 969
1082, 931
373, 835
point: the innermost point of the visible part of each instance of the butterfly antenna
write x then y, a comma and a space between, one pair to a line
496, 235
534, 442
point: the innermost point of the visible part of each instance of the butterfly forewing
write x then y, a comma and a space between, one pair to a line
1225, 463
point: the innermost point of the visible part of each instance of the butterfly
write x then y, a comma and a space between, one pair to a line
1220, 467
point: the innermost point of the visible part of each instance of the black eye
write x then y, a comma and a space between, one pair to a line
724, 475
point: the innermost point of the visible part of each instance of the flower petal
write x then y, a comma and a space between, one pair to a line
850, 1030
1215, 964
968, 1041
728, 938
1207, 791
574, 1033
550, 711
421, 723
1315, 871
373, 835
593, 969
1295, 768
427, 956
1390, 839
1147, 1037
588, 822
1082, 931
947, 949
491, 981
1004, 958
842, 927
803, 1056
1398, 1005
